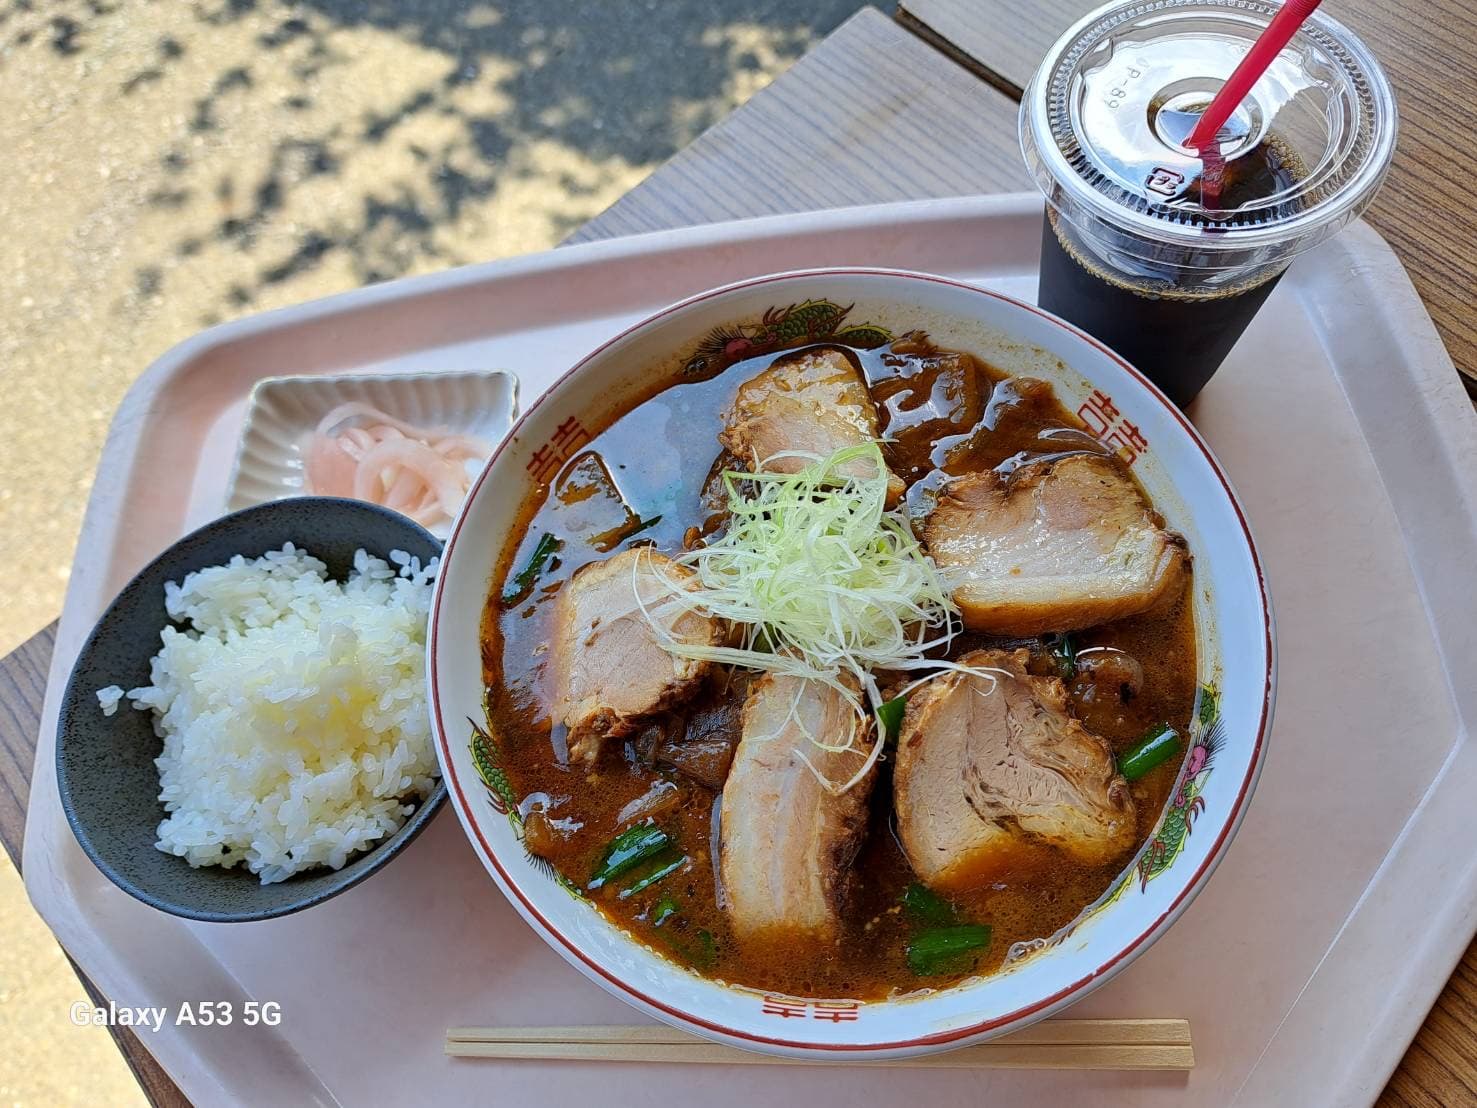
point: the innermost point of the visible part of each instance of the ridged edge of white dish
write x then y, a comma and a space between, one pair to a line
282, 411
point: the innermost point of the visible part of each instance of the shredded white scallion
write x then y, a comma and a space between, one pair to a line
823, 582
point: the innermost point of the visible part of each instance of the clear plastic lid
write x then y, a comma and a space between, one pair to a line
1105, 117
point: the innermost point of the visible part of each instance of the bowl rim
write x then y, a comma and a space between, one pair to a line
351, 873
1037, 1009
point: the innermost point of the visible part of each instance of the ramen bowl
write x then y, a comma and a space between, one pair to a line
1227, 743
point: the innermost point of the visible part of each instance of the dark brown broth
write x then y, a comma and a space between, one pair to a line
943, 413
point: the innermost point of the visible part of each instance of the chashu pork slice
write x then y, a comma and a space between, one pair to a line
815, 402
991, 775
609, 669
1055, 546
787, 842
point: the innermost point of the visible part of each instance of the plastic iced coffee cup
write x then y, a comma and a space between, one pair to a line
1164, 255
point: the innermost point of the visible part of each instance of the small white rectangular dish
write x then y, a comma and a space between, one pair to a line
283, 411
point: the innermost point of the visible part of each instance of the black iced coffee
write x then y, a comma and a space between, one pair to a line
1178, 338
1158, 252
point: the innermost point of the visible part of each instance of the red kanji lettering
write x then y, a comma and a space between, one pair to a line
1098, 412
836, 1011
784, 1007
1128, 441
570, 436
544, 463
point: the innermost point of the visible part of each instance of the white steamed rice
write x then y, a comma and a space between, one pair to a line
292, 710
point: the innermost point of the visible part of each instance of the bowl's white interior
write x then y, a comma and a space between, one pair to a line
1234, 637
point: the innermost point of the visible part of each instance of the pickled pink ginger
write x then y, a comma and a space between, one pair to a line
361, 452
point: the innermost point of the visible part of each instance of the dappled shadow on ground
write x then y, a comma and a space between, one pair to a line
552, 100
173, 163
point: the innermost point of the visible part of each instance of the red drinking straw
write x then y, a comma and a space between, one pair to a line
1262, 53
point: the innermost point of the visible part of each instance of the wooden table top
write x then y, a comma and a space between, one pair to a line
826, 134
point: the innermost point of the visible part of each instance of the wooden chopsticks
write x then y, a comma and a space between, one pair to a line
1121, 1044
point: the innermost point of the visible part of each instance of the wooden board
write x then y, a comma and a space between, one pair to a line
870, 115
22, 689
1425, 209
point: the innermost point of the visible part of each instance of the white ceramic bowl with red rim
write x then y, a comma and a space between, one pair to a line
1235, 645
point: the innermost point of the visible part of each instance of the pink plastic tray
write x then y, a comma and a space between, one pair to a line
1304, 968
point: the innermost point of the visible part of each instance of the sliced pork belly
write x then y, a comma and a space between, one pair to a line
787, 841
816, 402
990, 777
608, 668
1055, 546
